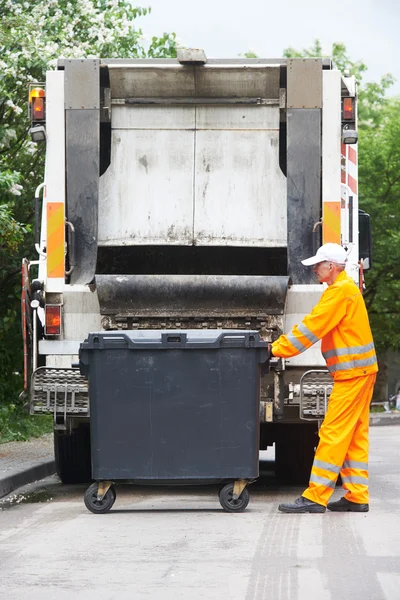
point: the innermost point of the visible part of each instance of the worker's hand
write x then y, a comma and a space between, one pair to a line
269, 349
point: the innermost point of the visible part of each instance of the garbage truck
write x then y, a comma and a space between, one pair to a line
182, 194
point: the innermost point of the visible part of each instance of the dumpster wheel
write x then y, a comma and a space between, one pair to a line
232, 502
96, 505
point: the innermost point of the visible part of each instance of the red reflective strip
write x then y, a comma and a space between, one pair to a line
343, 150
352, 155
352, 184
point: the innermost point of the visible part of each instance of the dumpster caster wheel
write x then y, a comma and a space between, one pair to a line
99, 506
227, 501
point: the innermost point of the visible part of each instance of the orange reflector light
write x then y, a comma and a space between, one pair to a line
53, 319
348, 109
36, 93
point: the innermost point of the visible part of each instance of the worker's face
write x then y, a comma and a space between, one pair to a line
323, 271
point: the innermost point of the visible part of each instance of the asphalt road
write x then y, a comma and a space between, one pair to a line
168, 544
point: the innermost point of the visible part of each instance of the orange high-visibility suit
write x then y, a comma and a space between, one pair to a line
340, 320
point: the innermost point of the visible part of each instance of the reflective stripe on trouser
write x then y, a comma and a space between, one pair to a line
343, 443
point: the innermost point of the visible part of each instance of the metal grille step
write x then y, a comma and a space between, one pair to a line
59, 391
315, 389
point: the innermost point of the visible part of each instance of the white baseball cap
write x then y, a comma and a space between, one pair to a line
330, 252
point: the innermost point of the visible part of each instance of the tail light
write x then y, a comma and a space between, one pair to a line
53, 319
37, 104
348, 109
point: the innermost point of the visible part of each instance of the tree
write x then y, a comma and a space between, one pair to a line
379, 192
380, 196
32, 36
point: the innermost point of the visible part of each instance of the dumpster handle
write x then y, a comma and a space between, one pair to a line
176, 338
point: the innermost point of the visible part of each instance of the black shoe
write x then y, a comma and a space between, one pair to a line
344, 505
302, 505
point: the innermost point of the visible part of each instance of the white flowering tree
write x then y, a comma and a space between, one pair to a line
33, 35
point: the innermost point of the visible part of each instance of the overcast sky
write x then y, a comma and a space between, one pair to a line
226, 28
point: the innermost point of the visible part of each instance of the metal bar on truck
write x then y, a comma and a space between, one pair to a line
194, 100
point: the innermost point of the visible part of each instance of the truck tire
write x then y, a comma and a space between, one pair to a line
72, 455
294, 453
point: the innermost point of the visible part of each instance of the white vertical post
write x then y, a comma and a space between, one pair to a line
55, 162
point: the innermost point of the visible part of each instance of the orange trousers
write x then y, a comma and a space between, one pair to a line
343, 443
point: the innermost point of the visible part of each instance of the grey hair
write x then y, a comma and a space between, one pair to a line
340, 266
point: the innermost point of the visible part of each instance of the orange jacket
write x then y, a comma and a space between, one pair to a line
340, 320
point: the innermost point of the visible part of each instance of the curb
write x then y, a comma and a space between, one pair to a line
29, 475
384, 418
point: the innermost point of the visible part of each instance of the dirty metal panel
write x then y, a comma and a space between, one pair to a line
303, 188
81, 312
82, 158
153, 117
191, 295
82, 89
300, 301
260, 118
141, 81
304, 83
146, 195
248, 80
240, 193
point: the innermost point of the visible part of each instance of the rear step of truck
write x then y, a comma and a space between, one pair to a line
59, 391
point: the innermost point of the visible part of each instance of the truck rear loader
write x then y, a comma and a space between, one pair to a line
181, 194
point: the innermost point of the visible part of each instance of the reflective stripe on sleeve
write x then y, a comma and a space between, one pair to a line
352, 364
296, 342
327, 466
355, 464
322, 481
355, 479
307, 333
351, 350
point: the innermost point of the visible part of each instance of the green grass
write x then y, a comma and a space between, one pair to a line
377, 409
16, 424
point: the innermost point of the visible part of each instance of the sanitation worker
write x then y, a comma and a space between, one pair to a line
340, 320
